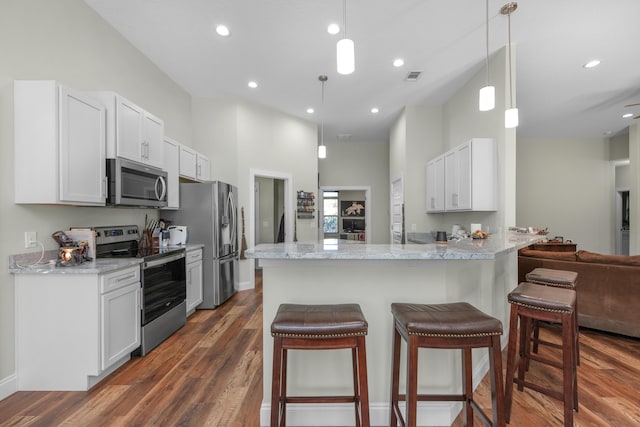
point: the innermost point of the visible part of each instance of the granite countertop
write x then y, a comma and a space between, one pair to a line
28, 263
454, 250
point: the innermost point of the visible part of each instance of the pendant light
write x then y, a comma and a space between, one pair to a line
345, 49
322, 149
487, 98
511, 114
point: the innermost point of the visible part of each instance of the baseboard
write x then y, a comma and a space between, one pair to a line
243, 286
8, 386
429, 414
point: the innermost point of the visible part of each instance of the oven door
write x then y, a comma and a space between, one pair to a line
164, 285
133, 184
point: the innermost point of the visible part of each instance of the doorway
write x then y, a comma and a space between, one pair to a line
344, 213
622, 222
283, 206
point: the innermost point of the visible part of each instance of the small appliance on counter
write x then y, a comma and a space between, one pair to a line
177, 235
71, 252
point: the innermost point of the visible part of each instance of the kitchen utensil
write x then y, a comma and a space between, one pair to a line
177, 235
441, 237
243, 246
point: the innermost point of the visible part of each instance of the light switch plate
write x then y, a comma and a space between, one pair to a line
30, 238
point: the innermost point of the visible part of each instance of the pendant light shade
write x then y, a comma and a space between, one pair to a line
487, 98
346, 56
345, 49
322, 149
511, 119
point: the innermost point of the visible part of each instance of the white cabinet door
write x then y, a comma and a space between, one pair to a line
129, 139
471, 176
120, 332
203, 166
172, 166
82, 149
435, 185
59, 145
194, 279
152, 145
188, 165
451, 181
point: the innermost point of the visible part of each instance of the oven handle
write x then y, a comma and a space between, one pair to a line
163, 260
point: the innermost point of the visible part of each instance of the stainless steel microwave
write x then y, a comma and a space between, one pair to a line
133, 184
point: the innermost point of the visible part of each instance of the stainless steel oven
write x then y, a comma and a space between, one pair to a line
163, 278
132, 184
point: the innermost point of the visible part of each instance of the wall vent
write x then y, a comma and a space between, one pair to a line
344, 137
413, 76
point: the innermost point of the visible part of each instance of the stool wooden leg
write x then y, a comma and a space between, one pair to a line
356, 383
523, 351
497, 388
511, 360
467, 387
568, 369
395, 377
364, 384
412, 382
275, 382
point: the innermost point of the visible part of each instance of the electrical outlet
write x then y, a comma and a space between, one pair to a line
30, 238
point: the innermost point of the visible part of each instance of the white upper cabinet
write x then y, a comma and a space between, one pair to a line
435, 185
203, 168
188, 166
59, 145
193, 165
172, 167
132, 132
470, 177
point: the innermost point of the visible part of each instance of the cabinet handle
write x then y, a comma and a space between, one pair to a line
127, 277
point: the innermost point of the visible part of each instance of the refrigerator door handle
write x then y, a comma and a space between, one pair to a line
233, 219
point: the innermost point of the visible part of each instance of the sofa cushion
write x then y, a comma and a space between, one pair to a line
586, 256
562, 256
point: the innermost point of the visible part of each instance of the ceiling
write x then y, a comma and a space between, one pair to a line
283, 45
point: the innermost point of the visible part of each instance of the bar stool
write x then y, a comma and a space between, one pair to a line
445, 326
531, 302
557, 279
319, 327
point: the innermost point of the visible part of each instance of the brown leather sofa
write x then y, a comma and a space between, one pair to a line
608, 286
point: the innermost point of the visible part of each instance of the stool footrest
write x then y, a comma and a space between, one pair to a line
320, 399
555, 394
435, 398
545, 361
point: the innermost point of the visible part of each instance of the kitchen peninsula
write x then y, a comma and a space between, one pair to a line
480, 272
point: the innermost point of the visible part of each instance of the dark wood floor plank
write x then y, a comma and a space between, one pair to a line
209, 373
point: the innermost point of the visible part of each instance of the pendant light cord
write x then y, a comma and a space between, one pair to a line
344, 17
510, 81
487, 30
322, 120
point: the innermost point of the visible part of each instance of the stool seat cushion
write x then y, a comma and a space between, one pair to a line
319, 321
458, 319
549, 276
544, 298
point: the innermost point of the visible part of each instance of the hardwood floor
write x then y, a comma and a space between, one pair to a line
209, 373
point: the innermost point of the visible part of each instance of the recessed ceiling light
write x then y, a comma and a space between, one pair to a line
333, 29
222, 30
399, 62
375, 110
607, 133
310, 110
252, 84
626, 116
592, 63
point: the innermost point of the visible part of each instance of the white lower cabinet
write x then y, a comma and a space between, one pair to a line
194, 279
72, 330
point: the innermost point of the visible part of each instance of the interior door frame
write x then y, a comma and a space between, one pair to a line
288, 208
367, 206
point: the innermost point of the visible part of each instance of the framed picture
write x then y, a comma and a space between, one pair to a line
352, 208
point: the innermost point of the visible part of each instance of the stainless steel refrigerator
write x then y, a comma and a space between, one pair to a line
208, 209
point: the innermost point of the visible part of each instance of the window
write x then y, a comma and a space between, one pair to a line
330, 212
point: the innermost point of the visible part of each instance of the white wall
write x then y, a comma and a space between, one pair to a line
66, 41
567, 185
361, 164
422, 133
